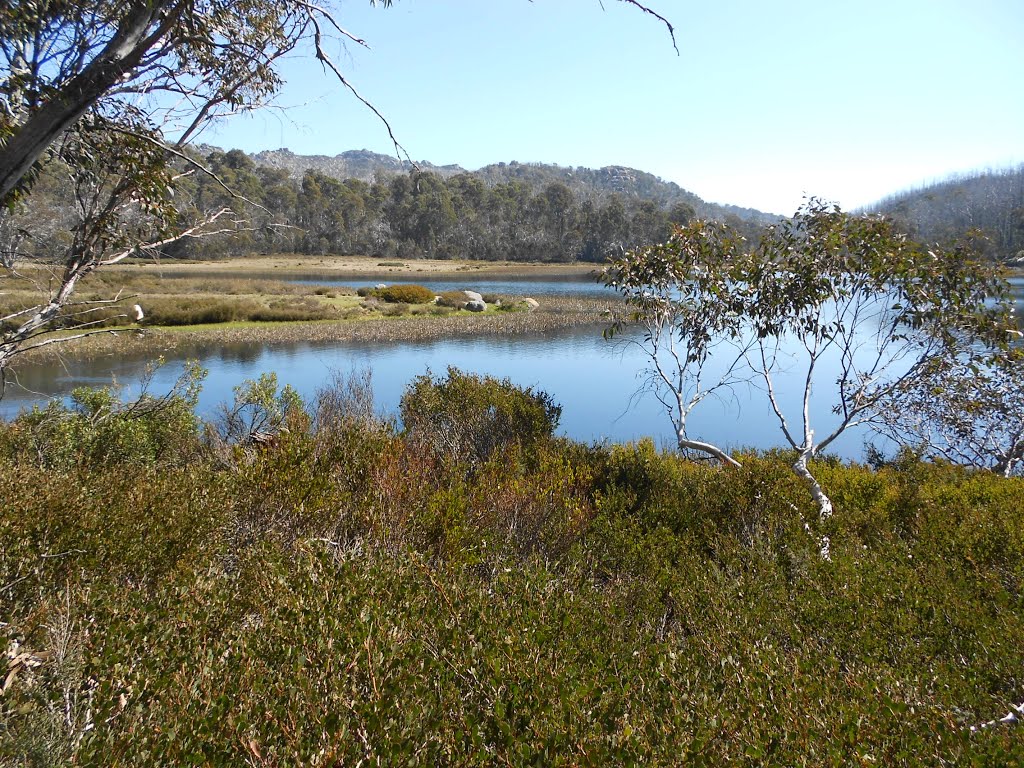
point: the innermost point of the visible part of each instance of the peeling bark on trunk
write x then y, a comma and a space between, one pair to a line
820, 498
824, 503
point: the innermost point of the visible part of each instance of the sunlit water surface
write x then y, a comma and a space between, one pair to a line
598, 383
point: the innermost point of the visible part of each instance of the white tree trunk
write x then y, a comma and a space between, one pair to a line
820, 498
708, 448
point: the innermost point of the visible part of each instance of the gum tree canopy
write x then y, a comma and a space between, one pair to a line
89, 94
828, 308
139, 64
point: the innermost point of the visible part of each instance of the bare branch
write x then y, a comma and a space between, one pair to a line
328, 64
192, 232
659, 17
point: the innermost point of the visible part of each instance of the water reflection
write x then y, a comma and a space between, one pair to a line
594, 380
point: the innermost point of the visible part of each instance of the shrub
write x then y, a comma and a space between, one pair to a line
289, 311
453, 299
514, 306
346, 597
183, 310
406, 294
98, 429
259, 413
465, 417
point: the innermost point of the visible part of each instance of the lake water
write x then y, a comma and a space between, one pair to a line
595, 381
519, 288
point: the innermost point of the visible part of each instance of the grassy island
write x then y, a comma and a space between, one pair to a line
191, 304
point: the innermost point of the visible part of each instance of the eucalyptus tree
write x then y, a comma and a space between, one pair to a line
107, 94
685, 313
968, 411
831, 310
861, 316
141, 62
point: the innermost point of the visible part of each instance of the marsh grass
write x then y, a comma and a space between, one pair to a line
351, 321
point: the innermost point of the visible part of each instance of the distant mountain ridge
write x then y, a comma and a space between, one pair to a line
588, 182
353, 164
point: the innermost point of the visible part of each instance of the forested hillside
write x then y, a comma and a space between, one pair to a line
362, 203
989, 203
353, 164
584, 182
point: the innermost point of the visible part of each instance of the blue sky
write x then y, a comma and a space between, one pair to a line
765, 103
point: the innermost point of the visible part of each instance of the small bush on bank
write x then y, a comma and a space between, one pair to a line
184, 310
514, 306
453, 299
464, 417
202, 311
292, 311
405, 294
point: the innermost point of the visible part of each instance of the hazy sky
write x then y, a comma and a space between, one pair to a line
766, 101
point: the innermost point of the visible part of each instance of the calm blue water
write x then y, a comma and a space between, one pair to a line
598, 383
518, 288
595, 381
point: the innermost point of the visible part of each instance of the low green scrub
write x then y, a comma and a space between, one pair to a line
97, 429
453, 299
197, 310
464, 417
342, 592
405, 294
512, 305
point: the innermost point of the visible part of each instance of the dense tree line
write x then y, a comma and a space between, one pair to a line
421, 214
988, 206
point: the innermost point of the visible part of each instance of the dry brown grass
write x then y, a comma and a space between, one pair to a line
334, 267
198, 304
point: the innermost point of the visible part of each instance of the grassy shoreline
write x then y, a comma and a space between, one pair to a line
555, 313
202, 304
358, 267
